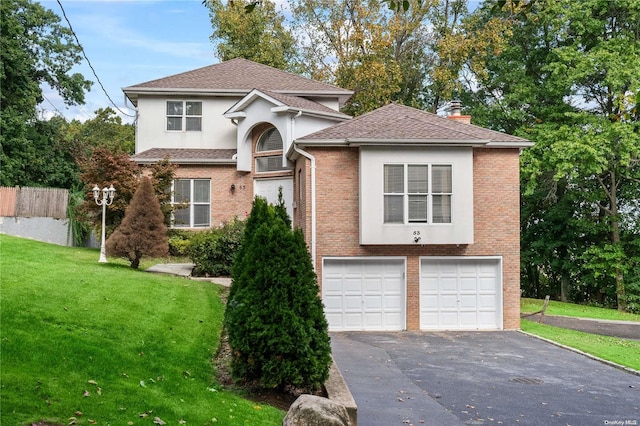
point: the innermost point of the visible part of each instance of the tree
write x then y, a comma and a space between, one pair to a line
162, 175
104, 168
34, 50
274, 318
105, 130
142, 231
564, 80
384, 52
260, 36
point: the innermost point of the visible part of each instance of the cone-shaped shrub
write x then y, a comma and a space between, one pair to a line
142, 231
275, 322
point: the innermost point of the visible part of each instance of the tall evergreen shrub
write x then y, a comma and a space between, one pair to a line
142, 231
275, 322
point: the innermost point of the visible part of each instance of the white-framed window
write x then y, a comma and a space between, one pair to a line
269, 151
191, 199
184, 116
417, 193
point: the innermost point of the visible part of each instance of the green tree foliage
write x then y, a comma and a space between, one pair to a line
260, 36
142, 231
274, 318
34, 49
565, 80
383, 51
106, 130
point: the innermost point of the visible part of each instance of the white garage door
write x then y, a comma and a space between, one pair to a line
460, 294
364, 294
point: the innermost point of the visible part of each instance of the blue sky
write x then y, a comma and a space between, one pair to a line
130, 42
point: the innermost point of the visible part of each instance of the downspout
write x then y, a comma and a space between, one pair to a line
313, 188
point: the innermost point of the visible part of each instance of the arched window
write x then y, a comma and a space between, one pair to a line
270, 141
269, 151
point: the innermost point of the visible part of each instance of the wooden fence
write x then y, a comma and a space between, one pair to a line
34, 202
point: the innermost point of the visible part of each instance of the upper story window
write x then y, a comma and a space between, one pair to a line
417, 193
192, 201
184, 116
269, 151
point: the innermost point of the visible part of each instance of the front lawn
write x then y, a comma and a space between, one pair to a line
621, 351
89, 343
572, 310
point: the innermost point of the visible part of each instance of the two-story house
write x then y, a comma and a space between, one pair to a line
412, 219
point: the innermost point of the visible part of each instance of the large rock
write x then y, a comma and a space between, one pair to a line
311, 410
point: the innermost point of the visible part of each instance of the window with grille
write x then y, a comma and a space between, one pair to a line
191, 199
269, 152
417, 193
184, 116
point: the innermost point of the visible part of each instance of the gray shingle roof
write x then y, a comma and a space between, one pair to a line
399, 123
292, 102
186, 156
240, 76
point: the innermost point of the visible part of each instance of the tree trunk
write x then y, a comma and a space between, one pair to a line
621, 294
565, 287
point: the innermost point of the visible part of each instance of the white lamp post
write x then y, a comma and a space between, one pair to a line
107, 199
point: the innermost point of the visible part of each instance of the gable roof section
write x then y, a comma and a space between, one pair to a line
186, 156
399, 124
285, 103
236, 77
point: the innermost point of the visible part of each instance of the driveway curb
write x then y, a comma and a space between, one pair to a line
578, 351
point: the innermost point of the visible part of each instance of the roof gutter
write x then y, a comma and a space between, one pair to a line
312, 159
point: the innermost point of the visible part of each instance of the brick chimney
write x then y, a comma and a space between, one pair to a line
455, 110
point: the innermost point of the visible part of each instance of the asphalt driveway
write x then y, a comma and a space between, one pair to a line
501, 378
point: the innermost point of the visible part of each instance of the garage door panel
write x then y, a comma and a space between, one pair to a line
448, 301
372, 293
460, 293
487, 301
468, 301
372, 303
448, 285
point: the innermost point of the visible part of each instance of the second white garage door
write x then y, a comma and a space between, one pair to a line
460, 294
364, 294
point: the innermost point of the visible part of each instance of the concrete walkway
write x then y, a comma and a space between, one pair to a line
184, 270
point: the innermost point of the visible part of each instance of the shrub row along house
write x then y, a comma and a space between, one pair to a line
412, 219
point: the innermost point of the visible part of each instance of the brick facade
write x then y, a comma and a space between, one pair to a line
496, 220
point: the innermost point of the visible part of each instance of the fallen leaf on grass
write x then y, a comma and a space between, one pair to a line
182, 422
157, 420
92, 382
78, 413
86, 394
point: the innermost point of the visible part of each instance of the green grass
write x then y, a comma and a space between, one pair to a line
572, 310
105, 343
621, 351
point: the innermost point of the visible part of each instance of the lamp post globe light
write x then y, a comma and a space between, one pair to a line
107, 200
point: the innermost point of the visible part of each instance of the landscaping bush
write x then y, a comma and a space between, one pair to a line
213, 251
179, 240
142, 231
275, 322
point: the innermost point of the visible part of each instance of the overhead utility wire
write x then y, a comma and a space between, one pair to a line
89, 62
